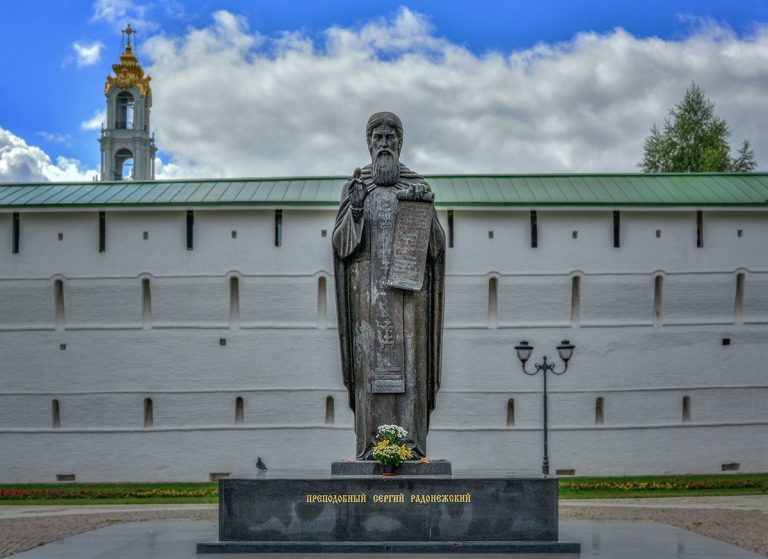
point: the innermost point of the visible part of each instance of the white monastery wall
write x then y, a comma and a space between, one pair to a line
756, 299
238, 317
617, 299
26, 304
509, 251
5, 231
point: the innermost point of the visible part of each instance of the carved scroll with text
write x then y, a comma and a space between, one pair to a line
409, 247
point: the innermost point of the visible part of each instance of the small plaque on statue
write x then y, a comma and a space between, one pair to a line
409, 247
387, 383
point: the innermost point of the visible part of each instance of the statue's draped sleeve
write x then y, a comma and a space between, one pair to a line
437, 304
347, 236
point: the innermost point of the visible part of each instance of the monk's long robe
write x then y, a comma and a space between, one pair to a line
387, 332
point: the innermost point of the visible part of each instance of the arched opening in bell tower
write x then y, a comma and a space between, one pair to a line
124, 106
123, 165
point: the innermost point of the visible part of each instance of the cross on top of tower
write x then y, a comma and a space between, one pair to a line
127, 32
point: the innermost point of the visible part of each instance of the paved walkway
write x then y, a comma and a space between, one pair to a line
13, 511
176, 539
740, 502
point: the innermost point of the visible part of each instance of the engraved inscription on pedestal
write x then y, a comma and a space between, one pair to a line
409, 249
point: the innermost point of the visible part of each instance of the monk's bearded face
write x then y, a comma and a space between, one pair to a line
385, 156
385, 167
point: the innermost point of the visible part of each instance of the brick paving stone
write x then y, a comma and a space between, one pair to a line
744, 528
20, 534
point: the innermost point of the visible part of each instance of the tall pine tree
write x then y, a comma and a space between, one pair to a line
694, 139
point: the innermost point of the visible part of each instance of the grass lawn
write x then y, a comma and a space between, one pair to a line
663, 486
108, 493
570, 488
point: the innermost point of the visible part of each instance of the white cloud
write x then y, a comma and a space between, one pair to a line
87, 54
20, 162
55, 137
168, 171
231, 102
141, 15
95, 122
120, 12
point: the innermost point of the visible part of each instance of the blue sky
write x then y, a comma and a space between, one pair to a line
50, 90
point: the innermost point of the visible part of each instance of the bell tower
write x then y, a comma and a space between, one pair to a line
127, 148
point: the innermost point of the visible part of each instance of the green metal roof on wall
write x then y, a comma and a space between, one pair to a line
694, 189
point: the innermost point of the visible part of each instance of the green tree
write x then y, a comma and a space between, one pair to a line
745, 159
694, 139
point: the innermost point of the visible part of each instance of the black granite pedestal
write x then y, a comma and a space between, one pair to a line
369, 514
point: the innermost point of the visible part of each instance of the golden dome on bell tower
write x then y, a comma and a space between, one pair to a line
128, 72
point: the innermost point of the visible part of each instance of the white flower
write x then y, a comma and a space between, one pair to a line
392, 432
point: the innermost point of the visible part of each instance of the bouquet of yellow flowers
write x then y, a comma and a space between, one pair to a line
390, 450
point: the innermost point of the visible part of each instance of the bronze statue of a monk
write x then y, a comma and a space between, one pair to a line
389, 257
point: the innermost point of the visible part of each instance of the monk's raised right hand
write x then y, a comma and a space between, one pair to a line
356, 190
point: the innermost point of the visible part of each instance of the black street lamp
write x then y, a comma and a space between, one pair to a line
565, 350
